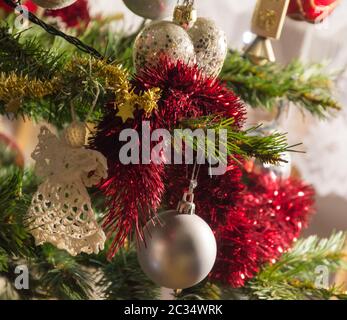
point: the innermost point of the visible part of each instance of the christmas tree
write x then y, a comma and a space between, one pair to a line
145, 174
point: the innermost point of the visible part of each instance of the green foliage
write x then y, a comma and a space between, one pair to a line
247, 143
307, 86
123, 279
293, 277
13, 237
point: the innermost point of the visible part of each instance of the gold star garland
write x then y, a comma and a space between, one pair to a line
116, 79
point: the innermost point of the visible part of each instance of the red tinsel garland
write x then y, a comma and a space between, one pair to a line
266, 220
134, 191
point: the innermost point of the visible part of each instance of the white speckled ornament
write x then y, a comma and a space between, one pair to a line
204, 44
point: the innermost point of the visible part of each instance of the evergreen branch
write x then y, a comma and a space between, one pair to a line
295, 274
246, 144
123, 279
60, 276
57, 33
264, 86
13, 237
27, 58
50, 99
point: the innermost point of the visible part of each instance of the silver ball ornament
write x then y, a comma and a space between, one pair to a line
210, 43
163, 38
179, 251
54, 4
151, 9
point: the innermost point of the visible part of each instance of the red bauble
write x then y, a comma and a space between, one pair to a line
134, 192
73, 16
311, 10
32, 7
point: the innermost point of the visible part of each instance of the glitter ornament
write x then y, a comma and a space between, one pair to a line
204, 44
54, 4
210, 45
162, 39
75, 134
151, 9
61, 211
179, 248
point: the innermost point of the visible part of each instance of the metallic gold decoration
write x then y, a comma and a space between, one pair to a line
267, 23
13, 89
117, 79
185, 15
268, 18
261, 51
75, 134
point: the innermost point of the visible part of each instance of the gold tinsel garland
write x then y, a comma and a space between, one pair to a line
14, 89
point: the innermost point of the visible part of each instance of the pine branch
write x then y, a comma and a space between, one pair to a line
264, 86
13, 237
246, 144
293, 276
123, 279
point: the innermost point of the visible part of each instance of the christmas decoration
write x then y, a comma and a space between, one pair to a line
179, 249
160, 39
312, 11
267, 23
54, 4
253, 223
151, 9
204, 44
199, 96
132, 205
265, 222
75, 15
61, 211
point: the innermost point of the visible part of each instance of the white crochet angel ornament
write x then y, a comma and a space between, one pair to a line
61, 211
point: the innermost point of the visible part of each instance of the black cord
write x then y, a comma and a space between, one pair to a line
55, 32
